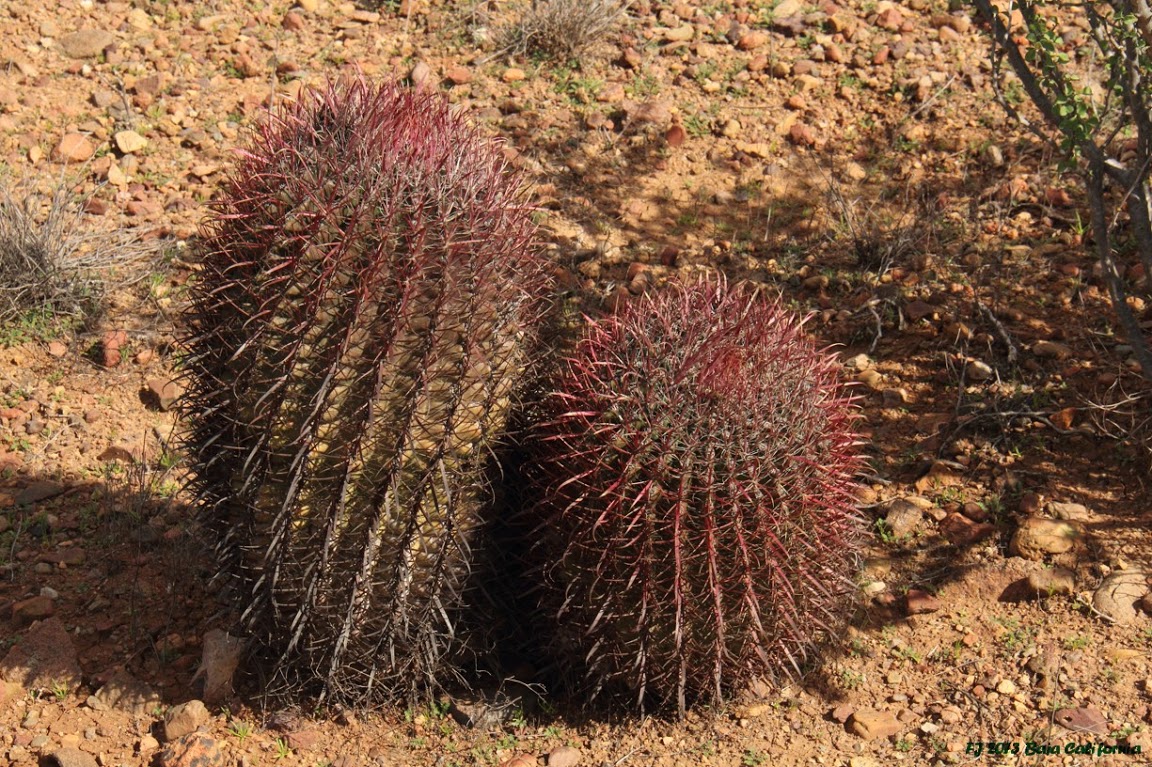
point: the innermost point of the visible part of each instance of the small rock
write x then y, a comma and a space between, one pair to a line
57, 349
678, 34
919, 602
1117, 595
129, 141
193, 750
752, 40
73, 148
1071, 512
124, 692
564, 756
1006, 687
293, 21
918, 310
110, 346
801, 134
86, 43
32, 609
870, 724
976, 370
420, 74
163, 393
303, 740
40, 490
71, 757
221, 656
520, 760
1059, 581
1038, 537
184, 719
458, 75
1083, 719
890, 19
961, 531
863, 761
842, 713
903, 517
1051, 350
513, 75
44, 657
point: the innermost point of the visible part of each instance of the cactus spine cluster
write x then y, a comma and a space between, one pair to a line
693, 477
367, 303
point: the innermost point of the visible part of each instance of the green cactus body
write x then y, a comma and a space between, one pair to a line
695, 510
365, 310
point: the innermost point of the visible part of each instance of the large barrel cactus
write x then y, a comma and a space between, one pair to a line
693, 477
367, 304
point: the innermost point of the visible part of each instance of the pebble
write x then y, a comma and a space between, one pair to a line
1051, 350
1117, 595
124, 692
976, 370
1058, 581
86, 43
1082, 719
1038, 537
919, 602
458, 75
564, 756
129, 141
961, 531
72, 757
752, 40
520, 760
164, 392
32, 609
903, 517
871, 724
420, 74
73, 148
184, 719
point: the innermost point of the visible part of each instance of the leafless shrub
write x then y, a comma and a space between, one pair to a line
561, 29
51, 263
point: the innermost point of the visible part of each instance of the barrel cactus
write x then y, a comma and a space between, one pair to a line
694, 497
366, 305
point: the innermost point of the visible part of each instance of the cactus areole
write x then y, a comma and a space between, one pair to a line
368, 294
695, 498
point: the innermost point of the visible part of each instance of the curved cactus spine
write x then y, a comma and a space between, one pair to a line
695, 497
367, 304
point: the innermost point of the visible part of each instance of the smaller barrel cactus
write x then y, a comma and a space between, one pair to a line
369, 295
694, 496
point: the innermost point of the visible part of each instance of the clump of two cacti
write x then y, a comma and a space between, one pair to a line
369, 301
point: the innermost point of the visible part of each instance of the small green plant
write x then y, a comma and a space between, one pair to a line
60, 691
240, 730
752, 758
850, 680
904, 745
1075, 642
283, 751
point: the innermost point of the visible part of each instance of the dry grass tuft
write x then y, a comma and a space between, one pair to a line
51, 262
561, 29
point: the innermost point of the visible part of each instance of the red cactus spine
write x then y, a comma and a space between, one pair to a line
366, 306
695, 496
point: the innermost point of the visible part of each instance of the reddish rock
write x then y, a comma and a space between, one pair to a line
74, 147
1083, 719
802, 135
110, 346
918, 602
293, 21
43, 657
752, 40
303, 740
890, 19
458, 75
163, 393
961, 531
32, 609
675, 136
870, 724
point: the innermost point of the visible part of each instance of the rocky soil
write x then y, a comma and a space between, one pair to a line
850, 155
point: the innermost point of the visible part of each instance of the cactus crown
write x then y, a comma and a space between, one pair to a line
696, 496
